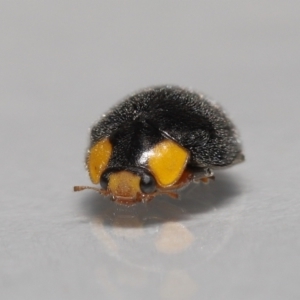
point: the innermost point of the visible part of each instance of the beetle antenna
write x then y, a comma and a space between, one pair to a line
81, 188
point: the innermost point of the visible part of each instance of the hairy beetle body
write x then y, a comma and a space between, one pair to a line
157, 141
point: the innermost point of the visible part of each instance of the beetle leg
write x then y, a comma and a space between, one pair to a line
206, 180
202, 174
171, 194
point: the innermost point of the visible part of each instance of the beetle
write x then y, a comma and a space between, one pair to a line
157, 141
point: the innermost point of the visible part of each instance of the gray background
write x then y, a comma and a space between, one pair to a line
63, 64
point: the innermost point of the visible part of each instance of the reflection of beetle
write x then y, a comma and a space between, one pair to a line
157, 141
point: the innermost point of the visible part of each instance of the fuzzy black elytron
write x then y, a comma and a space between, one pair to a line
157, 141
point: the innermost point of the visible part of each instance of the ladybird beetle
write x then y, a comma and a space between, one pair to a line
157, 141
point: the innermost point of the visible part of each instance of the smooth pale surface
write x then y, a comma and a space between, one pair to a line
63, 64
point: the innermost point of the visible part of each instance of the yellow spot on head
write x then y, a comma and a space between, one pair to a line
98, 158
124, 184
167, 161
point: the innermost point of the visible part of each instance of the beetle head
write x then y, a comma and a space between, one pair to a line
128, 186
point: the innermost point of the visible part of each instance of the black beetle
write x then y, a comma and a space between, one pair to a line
157, 141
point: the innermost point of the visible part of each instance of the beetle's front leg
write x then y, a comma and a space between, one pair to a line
202, 174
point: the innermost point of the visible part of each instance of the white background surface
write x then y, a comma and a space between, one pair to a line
62, 65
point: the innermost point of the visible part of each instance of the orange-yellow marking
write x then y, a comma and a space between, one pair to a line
124, 184
98, 158
167, 162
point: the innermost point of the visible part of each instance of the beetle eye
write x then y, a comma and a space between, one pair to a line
104, 179
147, 184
